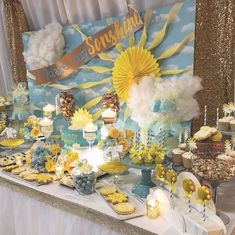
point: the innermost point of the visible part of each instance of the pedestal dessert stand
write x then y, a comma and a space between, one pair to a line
142, 188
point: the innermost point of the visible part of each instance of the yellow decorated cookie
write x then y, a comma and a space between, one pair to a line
30, 177
217, 137
108, 189
203, 134
204, 194
124, 208
9, 168
18, 170
117, 198
44, 178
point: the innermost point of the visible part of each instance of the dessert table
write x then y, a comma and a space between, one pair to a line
54, 209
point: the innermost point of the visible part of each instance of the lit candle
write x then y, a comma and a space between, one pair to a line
152, 208
48, 110
19, 160
59, 172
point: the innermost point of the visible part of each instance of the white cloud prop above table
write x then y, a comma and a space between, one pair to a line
178, 90
45, 47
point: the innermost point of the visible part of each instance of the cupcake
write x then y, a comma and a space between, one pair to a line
188, 159
228, 159
177, 156
109, 116
183, 146
232, 125
224, 124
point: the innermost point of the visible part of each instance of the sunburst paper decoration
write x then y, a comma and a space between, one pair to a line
81, 118
192, 144
133, 64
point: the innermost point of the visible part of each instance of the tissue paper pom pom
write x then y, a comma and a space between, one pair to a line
140, 101
179, 90
45, 47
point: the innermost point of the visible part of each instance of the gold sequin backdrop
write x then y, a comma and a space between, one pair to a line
16, 25
214, 60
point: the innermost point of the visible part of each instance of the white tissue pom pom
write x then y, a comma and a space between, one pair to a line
46, 47
139, 101
181, 89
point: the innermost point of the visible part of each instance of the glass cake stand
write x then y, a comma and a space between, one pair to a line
142, 188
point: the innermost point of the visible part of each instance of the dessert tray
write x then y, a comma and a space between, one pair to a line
139, 207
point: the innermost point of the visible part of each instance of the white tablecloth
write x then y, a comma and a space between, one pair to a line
25, 215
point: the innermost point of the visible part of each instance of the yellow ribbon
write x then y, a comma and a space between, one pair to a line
97, 115
174, 71
176, 48
132, 40
94, 101
147, 20
67, 87
161, 34
119, 47
98, 69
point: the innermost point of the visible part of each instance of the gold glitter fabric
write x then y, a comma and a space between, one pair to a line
214, 59
16, 25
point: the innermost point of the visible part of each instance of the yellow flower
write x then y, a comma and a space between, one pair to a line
32, 120
50, 165
114, 133
35, 132
55, 149
71, 157
125, 145
130, 134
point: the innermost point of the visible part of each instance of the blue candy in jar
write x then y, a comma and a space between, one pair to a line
85, 183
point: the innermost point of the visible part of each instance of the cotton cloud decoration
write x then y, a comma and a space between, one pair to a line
174, 95
45, 47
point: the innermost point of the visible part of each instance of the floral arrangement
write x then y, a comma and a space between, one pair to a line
142, 154
71, 158
117, 137
44, 157
32, 128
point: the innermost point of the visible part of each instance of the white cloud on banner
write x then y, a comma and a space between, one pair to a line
188, 49
191, 9
188, 27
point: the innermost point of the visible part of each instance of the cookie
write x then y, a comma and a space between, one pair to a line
125, 208
203, 134
9, 168
44, 178
108, 189
117, 198
18, 170
7, 161
30, 177
28, 172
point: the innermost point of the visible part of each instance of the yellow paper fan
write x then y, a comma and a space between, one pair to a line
133, 64
81, 118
